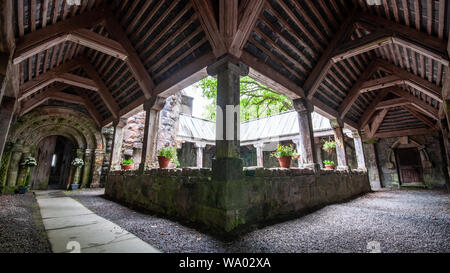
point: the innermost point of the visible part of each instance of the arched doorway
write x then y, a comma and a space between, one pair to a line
54, 155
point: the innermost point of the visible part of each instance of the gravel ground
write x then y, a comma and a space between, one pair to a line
400, 220
21, 228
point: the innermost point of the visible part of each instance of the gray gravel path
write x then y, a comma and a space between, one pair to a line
21, 228
400, 220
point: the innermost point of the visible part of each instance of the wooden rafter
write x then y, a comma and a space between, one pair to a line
51, 35
407, 132
371, 109
133, 61
392, 103
418, 114
83, 37
377, 122
205, 13
324, 64
103, 90
418, 103
252, 11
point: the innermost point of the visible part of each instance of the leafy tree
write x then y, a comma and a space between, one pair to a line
257, 100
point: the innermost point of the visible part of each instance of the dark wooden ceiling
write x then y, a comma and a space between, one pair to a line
378, 68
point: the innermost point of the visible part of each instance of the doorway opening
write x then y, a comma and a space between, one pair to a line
54, 155
410, 167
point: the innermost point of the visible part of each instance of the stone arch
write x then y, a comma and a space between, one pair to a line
406, 142
46, 121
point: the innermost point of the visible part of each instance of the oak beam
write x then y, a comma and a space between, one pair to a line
371, 109
205, 13
246, 25
380, 83
324, 64
377, 122
407, 132
392, 103
418, 103
133, 61
103, 90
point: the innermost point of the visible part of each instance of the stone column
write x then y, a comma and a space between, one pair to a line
7, 109
359, 150
99, 155
372, 165
199, 147
305, 148
338, 126
227, 165
116, 148
13, 169
259, 155
152, 110
318, 148
86, 168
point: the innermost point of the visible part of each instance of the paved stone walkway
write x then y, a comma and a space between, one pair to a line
71, 227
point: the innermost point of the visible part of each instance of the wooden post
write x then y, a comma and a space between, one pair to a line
359, 150
259, 155
152, 109
227, 165
199, 149
86, 168
114, 163
338, 127
305, 146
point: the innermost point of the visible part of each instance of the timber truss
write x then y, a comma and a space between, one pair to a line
380, 69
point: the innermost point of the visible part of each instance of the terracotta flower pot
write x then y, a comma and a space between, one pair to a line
329, 167
163, 161
285, 161
330, 151
296, 156
128, 167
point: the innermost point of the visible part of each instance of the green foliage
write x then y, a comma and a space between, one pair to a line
328, 145
128, 161
170, 152
283, 151
328, 162
28, 162
257, 100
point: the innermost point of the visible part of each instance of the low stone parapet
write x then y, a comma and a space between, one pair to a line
231, 207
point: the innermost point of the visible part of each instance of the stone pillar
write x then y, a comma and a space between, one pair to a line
338, 126
259, 155
152, 110
305, 144
318, 148
227, 165
200, 147
87, 168
99, 155
359, 150
372, 166
13, 170
116, 148
7, 109
77, 170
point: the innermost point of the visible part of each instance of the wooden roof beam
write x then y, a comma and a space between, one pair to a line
205, 13
377, 122
320, 70
103, 90
51, 35
133, 61
355, 90
380, 83
392, 103
418, 114
89, 106
418, 103
250, 15
371, 109
407, 132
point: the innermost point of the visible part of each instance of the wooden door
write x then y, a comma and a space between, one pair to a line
409, 167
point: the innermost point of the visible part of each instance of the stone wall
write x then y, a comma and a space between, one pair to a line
231, 207
433, 175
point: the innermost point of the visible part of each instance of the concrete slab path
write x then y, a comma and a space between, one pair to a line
71, 227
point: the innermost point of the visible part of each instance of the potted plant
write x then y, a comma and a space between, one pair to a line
295, 155
329, 146
78, 163
128, 164
167, 154
284, 155
329, 164
24, 178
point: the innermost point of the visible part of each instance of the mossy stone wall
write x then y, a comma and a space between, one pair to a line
230, 207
